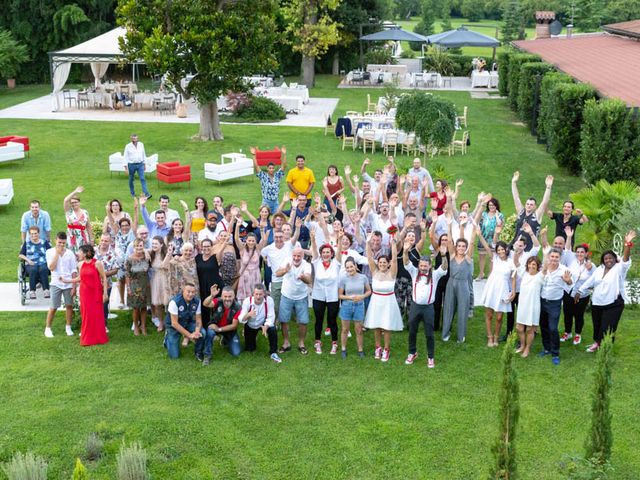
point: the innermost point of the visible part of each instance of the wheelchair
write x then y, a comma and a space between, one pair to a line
23, 282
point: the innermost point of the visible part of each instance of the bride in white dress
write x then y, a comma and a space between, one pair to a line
383, 314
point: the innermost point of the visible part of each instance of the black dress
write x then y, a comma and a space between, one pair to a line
208, 275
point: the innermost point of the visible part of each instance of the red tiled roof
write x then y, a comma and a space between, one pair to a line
631, 27
608, 62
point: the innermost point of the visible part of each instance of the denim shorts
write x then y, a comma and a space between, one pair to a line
350, 310
288, 307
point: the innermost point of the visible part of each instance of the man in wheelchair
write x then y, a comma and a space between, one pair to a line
34, 256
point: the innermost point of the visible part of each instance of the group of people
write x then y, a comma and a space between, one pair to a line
403, 250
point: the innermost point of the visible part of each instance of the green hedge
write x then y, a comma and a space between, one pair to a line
528, 97
503, 72
565, 123
609, 144
515, 61
547, 92
260, 109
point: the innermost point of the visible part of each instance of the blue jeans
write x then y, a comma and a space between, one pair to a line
173, 338
272, 204
231, 340
133, 168
38, 273
549, 318
300, 307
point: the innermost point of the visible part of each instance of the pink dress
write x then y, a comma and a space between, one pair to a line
250, 268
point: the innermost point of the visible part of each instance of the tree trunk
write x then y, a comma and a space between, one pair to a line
335, 67
308, 71
210, 122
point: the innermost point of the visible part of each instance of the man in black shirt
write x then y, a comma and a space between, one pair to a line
529, 213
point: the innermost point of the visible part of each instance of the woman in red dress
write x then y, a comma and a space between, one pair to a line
93, 294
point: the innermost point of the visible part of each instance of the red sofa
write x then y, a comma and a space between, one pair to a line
173, 172
16, 139
265, 157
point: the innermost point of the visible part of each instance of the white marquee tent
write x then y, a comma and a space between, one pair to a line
99, 52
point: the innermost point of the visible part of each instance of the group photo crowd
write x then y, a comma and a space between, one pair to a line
375, 249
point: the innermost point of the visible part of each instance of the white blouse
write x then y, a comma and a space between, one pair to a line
325, 281
607, 288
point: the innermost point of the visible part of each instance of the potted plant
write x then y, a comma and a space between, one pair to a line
12, 54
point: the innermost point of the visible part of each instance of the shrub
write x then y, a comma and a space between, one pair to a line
503, 73
600, 439
504, 466
565, 117
460, 65
432, 118
515, 61
441, 62
260, 109
379, 56
547, 95
12, 55
509, 228
529, 89
609, 146
602, 203
80, 471
25, 467
627, 217
93, 447
132, 463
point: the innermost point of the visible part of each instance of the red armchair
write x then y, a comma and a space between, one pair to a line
173, 172
16, 139
265, 157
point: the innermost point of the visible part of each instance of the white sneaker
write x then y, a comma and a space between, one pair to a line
155, 321
133, 326
349, 334
68, 330
48, 333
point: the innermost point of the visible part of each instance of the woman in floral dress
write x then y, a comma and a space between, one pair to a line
137, 271
182, 268
78, 221
249, 259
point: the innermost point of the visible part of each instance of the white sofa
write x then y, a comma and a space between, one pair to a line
117, 163
233, 165
11, 151
6, 191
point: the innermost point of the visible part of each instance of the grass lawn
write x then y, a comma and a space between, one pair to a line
310, 417
316, 417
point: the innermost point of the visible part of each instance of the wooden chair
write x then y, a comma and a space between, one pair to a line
348, 142
448, 149
371, 105
368, 140
327, 123
409, 144
353, 113
390, 141
460, 145
463, 118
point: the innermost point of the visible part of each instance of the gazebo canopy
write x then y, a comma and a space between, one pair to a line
394, 34
462, 37
99, 51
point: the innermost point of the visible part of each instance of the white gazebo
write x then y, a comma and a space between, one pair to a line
99, 52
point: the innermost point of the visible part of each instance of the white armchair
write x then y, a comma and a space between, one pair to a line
117, 163
11, 151
232, 165
6, 191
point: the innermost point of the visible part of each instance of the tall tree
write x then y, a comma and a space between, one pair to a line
313, 31
217, 41
512, 17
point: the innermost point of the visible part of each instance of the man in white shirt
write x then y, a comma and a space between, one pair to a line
424, 283
557, 280
210, 230
258, 315
63, 265
169, 213
134, 158
419, 171
296, 280
381, 221
276, 254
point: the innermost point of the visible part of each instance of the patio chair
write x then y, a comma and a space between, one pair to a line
368, 140
366, 77
353, 113
462, 119
348, 142
371, 105
448, 149
446, 80
433, 81
370, 113
169, 104
460, 145
357, 77
68, 97
418, 78
390, 141
83, 100
327, 123
409, 144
